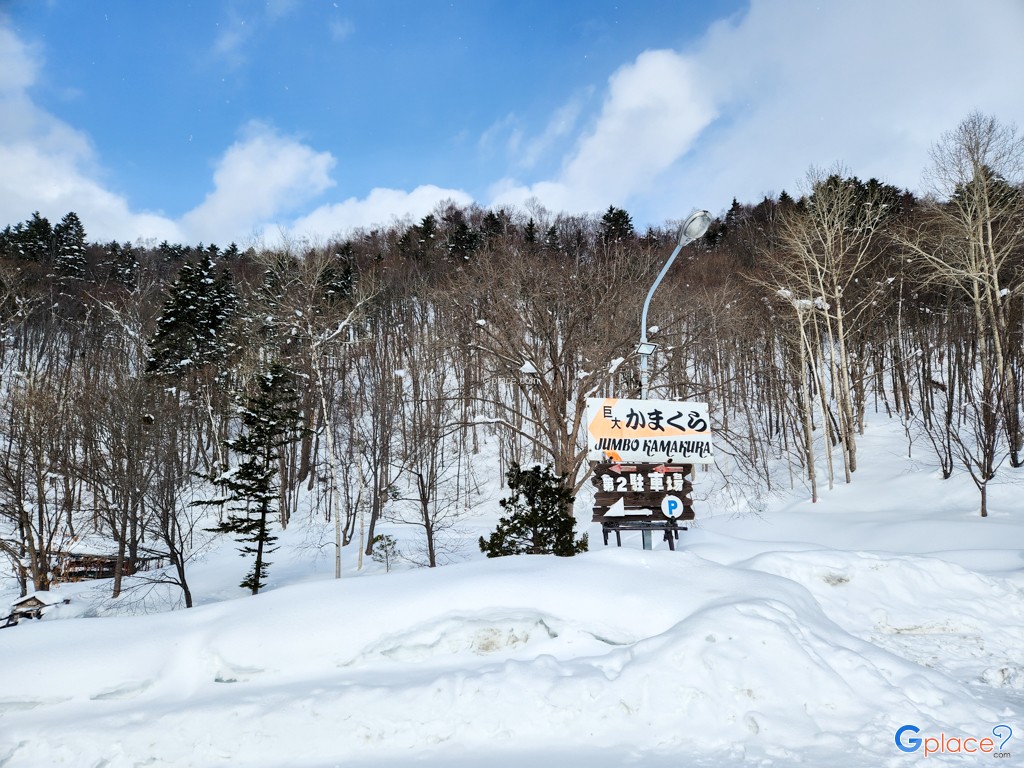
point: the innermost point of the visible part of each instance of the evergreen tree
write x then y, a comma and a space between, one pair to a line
419, 241
426, 230
35, 239
8, 239
69, 247
651, 238
538, 520
986, 185
169, 253
339, 279
551, 238
190, 333
460, 239
874, 192
530, 232
616, 226
270, 420
734, 216
121, 262
493, 227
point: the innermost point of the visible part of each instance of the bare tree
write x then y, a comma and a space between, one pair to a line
971, 240
430, 459
968, 242
805, 376
315, 302
375, 397
39, 487
551, 331
827, 248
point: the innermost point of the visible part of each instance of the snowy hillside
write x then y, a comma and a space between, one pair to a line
805, 636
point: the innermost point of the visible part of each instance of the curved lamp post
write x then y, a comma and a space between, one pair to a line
695, 226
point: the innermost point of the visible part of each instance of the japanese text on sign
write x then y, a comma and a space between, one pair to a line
655, 482
648, 430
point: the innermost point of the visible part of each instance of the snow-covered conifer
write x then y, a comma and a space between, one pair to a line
252, 488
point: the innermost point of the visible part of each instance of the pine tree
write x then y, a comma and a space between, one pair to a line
338, 280
734, 216
419, 241
190, 333
459, 238
34, 240
7, 243
538, 521
69, 247
171, 254
530, 232
616, 226
551, 238
270, 419
493, 226
121, 263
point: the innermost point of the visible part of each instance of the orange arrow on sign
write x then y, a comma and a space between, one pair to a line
618, 468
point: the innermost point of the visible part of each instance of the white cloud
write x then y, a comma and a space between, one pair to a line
277, 9
259, 178
742, 111
260, 183
870, 85
381, 207
526, 152
341, 29
242, 26
50, 167
17, 64
761, 97
53, 184
233, 35
653, 112
505, 132
561, 124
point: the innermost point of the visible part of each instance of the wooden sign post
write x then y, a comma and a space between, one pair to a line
630, 497
642, 453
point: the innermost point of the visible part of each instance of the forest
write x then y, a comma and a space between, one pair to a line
156, 395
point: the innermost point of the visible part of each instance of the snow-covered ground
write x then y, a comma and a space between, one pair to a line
807, 635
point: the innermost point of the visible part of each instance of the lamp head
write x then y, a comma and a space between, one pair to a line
695, 226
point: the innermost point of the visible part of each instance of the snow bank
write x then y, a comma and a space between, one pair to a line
607, 651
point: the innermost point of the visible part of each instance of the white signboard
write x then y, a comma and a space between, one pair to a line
648, 431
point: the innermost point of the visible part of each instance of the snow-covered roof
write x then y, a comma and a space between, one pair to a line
93, 546
43, 596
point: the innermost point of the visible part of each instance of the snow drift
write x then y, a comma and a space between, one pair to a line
776, 660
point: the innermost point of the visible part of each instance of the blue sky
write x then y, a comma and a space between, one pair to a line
249, 121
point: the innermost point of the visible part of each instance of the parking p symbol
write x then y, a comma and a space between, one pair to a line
672, 507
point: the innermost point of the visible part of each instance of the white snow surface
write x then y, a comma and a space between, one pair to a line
805, 635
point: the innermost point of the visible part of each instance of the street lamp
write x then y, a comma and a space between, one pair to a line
695, 226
